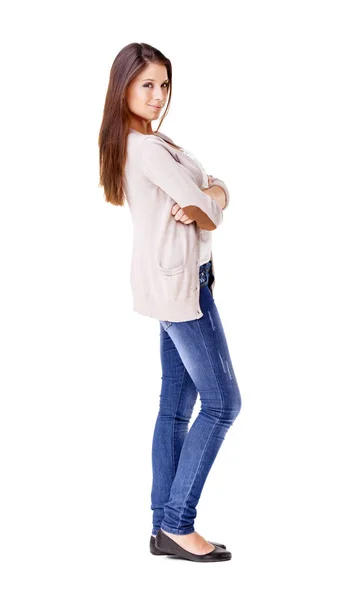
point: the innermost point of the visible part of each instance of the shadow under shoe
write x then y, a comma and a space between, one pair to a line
166, 545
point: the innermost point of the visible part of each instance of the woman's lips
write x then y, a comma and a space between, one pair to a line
155, 107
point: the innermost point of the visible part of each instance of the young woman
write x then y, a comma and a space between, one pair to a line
174, 207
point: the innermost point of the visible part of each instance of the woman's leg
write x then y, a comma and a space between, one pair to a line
177, 399
203, 350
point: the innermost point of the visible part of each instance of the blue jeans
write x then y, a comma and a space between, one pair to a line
195, 359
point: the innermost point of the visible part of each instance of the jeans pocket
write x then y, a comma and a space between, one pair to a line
203, 278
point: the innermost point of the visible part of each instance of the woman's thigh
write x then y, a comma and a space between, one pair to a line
178, 392
203, 350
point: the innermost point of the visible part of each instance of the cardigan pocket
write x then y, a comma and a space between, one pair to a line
173, 283
173, 271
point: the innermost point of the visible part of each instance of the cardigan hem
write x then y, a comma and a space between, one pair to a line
179, 311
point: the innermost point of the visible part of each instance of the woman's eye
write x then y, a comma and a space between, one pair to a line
147, 84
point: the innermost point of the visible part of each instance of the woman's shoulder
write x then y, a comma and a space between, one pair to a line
164, 136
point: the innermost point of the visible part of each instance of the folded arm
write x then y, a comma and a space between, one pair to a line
220, 183
161, 168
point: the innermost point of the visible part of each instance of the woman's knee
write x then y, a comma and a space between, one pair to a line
232, 405
227, 409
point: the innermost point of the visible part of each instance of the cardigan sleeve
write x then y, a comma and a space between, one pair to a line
161, 168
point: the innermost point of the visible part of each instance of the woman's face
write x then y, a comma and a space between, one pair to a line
148, 91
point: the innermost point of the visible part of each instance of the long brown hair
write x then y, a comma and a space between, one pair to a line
129, 62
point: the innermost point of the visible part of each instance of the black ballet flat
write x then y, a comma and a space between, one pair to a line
158, 552
165, 545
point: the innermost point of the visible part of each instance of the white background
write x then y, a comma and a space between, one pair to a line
260, 97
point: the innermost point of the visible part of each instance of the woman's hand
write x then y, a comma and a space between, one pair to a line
179, 215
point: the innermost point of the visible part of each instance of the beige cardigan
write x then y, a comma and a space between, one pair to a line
164, 272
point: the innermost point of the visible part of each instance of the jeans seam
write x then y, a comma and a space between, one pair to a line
212, 368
